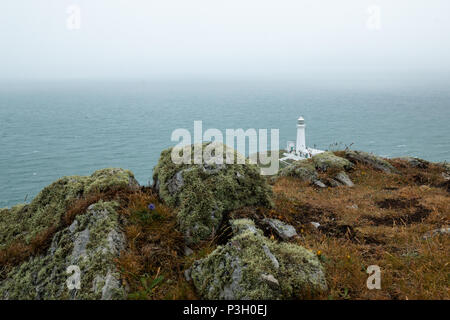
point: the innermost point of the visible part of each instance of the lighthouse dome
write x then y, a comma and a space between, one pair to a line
301, 120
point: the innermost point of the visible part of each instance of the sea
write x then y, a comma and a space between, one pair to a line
50, 129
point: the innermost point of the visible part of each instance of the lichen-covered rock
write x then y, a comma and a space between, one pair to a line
283, 230
415, 162
302, 169
371, 160
23, 222
91, 243
328, 160
203, 192
250, 266
343, 178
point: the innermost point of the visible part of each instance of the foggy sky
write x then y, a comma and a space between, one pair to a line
182, 38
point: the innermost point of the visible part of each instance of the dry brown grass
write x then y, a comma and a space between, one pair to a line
19, 251
154, 262
381, 222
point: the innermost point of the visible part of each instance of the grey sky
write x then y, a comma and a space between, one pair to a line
153, 38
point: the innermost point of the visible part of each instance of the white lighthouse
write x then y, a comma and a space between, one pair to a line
297, 150
301, 138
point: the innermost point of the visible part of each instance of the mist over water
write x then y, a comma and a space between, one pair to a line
49, 130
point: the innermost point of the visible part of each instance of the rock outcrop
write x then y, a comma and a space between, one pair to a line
24, 222
90, 244
203, 192
371, 160
250, 266
328, 160
416, 162
302, 169
283, 230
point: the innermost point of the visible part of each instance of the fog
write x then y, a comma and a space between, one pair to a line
266, 39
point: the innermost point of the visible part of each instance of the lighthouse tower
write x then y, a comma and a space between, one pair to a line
301, 143
297, 150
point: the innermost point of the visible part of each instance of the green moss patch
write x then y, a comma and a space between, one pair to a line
202, 193
23, 222
251, 266
303, 170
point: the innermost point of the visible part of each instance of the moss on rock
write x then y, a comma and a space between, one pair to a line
23, 222
371, 160
251, 266
415, 162
91, 242
202, 193
302, 169
328, 160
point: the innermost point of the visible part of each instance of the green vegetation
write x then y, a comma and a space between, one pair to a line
203, 193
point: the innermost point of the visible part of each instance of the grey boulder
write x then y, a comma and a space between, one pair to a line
283, 230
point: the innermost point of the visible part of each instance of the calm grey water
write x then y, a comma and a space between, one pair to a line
49, 130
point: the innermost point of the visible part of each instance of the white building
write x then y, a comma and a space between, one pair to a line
297, 150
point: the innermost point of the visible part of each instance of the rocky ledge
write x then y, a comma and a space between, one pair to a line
41, 240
